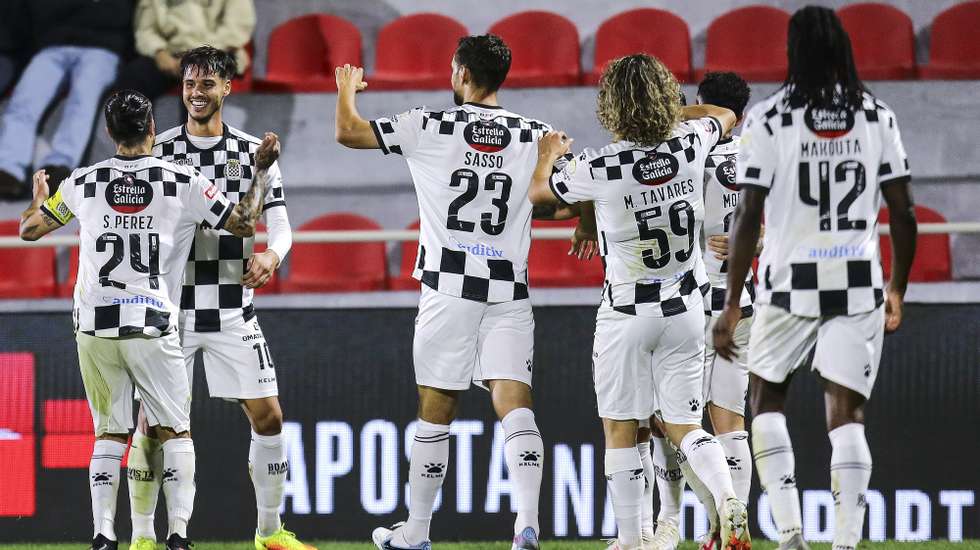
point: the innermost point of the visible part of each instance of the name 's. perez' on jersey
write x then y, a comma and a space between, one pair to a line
127, 222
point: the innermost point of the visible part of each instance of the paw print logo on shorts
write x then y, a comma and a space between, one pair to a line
434, 469
695, 405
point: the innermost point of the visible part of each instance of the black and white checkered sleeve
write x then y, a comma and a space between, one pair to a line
571, 179
399, 134
206, 202
274, 194
758, 155
894, 161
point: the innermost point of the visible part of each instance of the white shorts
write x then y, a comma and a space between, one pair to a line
237, 360
111, 367
643, 365
847, 348
459, 341
726, 383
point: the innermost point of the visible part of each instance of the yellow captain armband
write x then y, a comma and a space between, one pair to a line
56, 209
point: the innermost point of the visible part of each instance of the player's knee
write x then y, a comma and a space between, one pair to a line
118, 438
268, 423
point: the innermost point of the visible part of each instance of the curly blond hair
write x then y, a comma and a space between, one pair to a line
639, 99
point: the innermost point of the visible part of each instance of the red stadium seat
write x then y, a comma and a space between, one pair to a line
410, 249
647, 30
883, 40
337, 267
27, 272
954, 49
415, 52
549, 264
759, 55
544, 48
932, 257
304, 51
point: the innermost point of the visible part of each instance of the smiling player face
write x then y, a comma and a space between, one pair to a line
203, 94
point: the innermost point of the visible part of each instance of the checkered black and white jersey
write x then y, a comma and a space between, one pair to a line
649, 206
213, 292
137, 217
822, 170
471, 166
720, 200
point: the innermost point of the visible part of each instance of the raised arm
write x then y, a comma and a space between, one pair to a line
351, 130
244, 215
551, 147
725, 117
34, 222
904, 232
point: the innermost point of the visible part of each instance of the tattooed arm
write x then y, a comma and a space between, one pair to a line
36, 222
246, 213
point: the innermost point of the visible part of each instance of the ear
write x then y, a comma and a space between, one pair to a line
227, 89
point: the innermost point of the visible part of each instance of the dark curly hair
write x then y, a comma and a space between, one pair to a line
639, 99
209, 60
822, 72
725, 89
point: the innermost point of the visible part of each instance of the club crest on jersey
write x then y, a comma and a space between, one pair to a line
725, 173
128, 195
829, 123
233, 169
655, 169
486, 136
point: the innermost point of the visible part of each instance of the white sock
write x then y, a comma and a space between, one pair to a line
178, 483
650, 480
736, 447
774, 460
426, 472
701, 491
144, 468
670, 482
624, 474
707, 459
267, 463
103, 478
524, 454
850, 472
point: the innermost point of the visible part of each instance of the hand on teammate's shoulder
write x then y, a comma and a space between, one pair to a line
268, 152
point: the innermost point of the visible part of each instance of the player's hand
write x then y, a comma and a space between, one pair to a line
41, 190
719, 245
723, 332
553, 145
350, 78
167, 63
261, 266
585, 244
268, 152
894, 304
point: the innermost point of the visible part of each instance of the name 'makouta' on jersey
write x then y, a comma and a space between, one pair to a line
822, 170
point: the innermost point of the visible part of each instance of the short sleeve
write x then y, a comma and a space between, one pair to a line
894, 161
56, 208
274, 195
757, 154
709, 129
399, 134
206, 203
571, 180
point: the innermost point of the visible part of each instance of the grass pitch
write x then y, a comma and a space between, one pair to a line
547, 545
